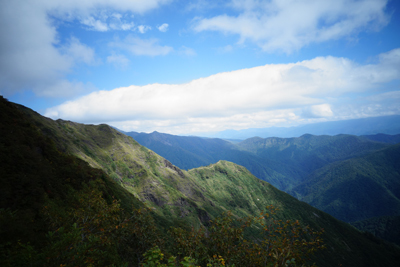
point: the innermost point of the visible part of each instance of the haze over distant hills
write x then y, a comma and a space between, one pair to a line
366, 126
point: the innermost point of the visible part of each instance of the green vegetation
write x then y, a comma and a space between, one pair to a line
385, 227
358, 188
352, 178
92, 232
57, 209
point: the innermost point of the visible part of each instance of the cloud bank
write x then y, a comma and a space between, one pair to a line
290, 25
275, 94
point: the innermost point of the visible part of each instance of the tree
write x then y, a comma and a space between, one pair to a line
275, 242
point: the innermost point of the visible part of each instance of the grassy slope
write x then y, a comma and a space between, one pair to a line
32, 169
175, 198
187, 198
192, 152
234, 188
186, 152
283, 162
358, 188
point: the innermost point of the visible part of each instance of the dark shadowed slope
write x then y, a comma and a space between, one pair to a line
358, 188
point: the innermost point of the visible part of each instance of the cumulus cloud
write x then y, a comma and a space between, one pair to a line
290, 25
30, 46
95, 24
142, 47
143, 28
317, 111
163, 27
269, 94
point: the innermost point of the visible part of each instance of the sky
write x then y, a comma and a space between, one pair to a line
195, 67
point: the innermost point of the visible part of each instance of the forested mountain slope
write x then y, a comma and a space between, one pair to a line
308, 152
358, 167
384, 138
189, 152
283, 162
39, 161
358, 188
385, 227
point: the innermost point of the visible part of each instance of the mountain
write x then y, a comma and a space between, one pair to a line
184, 151
358, 188
365, 126
385, 227
33, 172
45, 162
301, 165
189, 152
308, 152
384, 138
283, 162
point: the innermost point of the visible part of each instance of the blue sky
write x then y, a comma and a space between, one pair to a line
190, 67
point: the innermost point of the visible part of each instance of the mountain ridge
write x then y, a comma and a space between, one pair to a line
363, 126
287, 163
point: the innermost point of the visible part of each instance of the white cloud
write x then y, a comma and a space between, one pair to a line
118, 23
163, 27
143, 28
290, 25
106, 21
317, 111
119, 61
95, 24
79, 52
266, 95
142, 47
29, 43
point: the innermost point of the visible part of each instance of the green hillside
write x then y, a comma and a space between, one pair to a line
188, 152
41, 168
358, 188
283, 162
385, 227
325, 171
309, 152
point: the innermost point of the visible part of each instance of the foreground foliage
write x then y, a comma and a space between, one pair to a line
277, 242
92, 232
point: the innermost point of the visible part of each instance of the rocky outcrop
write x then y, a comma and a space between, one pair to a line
172, 167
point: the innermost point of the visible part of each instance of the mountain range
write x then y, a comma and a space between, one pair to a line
42, 160
351, 177
364, 126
